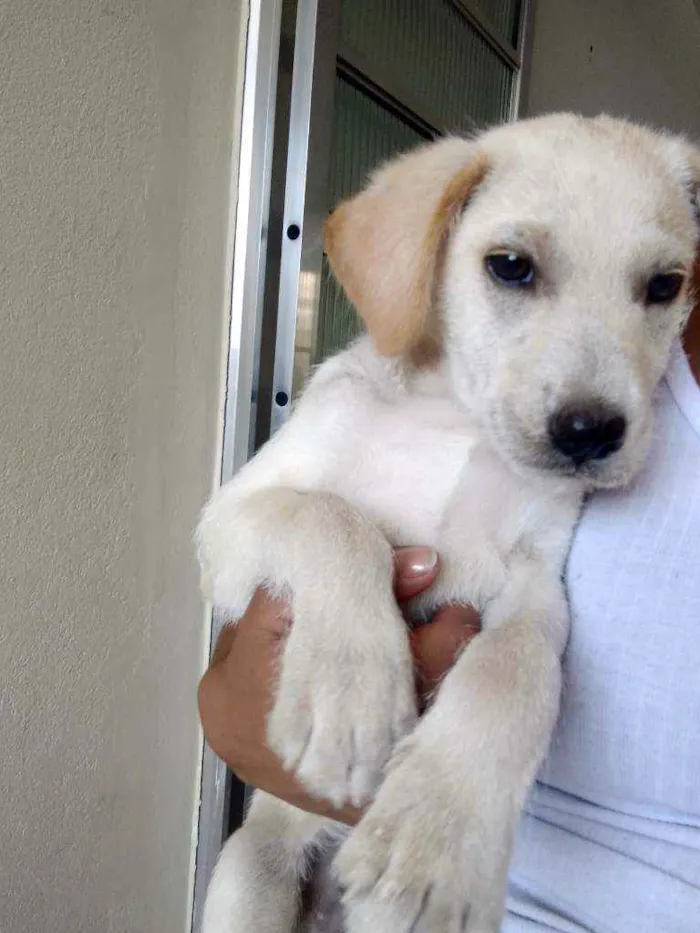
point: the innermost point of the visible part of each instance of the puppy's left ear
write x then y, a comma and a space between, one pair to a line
386, 244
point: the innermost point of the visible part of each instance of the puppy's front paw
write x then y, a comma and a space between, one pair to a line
342, 706
431, 855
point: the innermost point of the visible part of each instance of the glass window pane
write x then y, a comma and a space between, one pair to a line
431, 50
450, 75
503, 15
364, 135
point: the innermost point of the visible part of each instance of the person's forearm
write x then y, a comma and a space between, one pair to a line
234, 696
237, 692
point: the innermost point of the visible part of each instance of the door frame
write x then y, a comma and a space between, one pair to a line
250, 196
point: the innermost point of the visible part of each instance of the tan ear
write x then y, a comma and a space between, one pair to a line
385, 245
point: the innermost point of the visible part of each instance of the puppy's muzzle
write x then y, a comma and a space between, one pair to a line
587, 431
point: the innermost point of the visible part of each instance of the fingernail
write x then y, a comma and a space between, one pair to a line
415, 561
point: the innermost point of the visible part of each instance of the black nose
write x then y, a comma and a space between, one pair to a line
587, 432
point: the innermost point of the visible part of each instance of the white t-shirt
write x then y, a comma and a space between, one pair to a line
611, 839
610, 842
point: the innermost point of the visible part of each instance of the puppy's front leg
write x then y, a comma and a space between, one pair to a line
432, 853
346, 692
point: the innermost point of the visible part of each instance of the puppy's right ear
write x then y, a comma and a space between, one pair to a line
385, 245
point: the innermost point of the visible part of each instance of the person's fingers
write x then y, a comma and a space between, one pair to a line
436, 645
415, 569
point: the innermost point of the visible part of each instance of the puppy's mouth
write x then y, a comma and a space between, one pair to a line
592, 473
593, 445
612, 473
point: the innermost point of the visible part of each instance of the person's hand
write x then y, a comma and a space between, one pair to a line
237, 691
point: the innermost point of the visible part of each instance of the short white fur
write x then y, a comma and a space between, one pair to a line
455, 454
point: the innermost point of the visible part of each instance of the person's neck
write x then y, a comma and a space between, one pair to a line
691, 342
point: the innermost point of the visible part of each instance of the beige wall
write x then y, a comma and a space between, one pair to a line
117, 121
639, 58
116, 125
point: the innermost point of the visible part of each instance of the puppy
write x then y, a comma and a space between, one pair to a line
521, 291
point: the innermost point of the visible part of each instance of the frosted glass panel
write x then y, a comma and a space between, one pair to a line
434, 53
364, 135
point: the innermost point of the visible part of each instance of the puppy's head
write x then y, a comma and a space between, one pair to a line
549, 263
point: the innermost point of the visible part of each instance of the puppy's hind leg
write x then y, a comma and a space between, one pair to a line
257, 883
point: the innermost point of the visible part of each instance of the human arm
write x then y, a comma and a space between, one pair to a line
237, 692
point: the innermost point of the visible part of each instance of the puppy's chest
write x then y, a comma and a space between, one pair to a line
420, 469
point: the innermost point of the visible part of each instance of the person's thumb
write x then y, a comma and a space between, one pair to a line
415, 569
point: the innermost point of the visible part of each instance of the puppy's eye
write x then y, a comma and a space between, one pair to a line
510, 269
663, 288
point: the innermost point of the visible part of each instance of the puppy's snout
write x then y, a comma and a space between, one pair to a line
587, 431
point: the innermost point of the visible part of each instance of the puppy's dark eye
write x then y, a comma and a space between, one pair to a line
510, 269
663, 288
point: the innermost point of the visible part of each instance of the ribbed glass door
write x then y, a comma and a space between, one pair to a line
408, 70
364, 135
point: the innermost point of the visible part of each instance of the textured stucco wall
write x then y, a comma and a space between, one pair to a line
639, 58
117, 129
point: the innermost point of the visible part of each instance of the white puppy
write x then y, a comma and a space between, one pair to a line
521, 291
